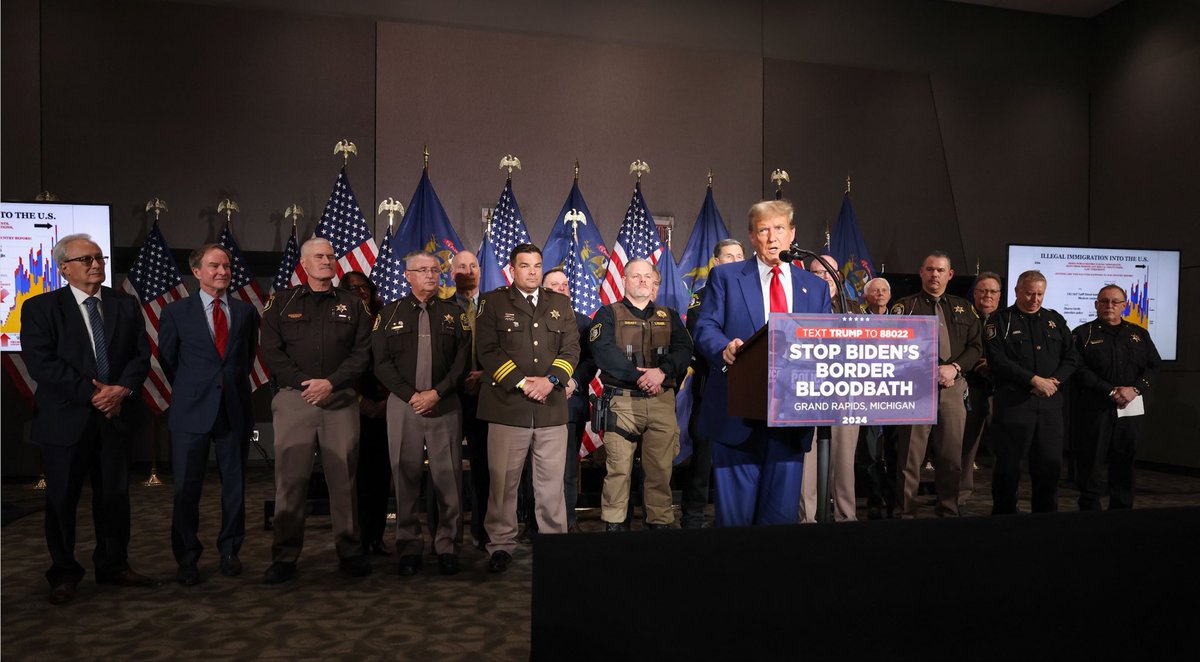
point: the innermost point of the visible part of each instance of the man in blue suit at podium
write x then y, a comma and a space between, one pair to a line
757, 469
207, 345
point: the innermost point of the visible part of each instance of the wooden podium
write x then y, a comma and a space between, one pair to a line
747, 378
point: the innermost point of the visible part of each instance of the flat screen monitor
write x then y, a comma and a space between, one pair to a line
28, 232
1074, 276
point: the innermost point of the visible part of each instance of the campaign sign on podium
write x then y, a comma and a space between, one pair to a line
852, 370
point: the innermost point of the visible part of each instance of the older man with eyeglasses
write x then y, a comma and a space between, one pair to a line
1119, 362
986, 298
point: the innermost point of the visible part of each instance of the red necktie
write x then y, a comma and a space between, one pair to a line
778, 297
220, 329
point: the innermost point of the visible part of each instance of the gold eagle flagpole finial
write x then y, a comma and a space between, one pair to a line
779, 176
576, 171
976, 266
710, 180
426, 155
345, 148
46, 196
158, 206
294, 212
509, 161
639, 167
392, 206
847, 183
228, 207
828, 243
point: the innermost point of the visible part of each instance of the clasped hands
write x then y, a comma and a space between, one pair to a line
108, 398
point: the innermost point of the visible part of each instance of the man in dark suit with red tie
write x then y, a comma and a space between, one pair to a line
86, 347
207, 345
757, 469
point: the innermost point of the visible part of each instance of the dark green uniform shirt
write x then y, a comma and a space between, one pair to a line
394, 344
316, 335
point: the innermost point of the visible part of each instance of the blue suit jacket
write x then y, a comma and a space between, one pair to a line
199, 376
60, 357
733, 308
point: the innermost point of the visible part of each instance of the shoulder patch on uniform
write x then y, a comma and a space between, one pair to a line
898, 309
270, 300
661, 313
695, 301
989, 331
595, 332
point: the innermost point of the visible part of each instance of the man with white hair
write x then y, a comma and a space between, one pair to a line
316, 340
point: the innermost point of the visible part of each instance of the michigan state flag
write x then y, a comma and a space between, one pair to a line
698, 254
847, 245
426, 227
592, 250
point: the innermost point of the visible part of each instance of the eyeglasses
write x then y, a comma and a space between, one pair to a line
1111, 302
424, 271
87, 260
983, 291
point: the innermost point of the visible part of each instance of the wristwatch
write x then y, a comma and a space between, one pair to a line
553, 380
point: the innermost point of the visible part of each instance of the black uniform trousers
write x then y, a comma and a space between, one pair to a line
1104, 453
189, 460
101, 454
1027, 426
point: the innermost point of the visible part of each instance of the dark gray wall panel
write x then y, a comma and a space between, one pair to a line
475, 96
20, 114
1017, 157
189, 102
822, 122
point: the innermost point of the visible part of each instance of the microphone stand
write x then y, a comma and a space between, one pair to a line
823, 432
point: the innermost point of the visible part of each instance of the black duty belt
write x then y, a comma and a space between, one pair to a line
631, 393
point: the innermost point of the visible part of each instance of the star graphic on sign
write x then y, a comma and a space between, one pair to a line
959, 309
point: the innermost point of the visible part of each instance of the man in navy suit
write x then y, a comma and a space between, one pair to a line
207, 345
757, 469
86, 347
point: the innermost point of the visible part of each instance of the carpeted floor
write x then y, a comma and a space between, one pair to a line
321, 615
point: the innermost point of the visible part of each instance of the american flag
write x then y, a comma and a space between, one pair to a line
289, 273
507, 230
389, 272
585, 299
243, 286
344, 225
14, 365
638, 238
155, 280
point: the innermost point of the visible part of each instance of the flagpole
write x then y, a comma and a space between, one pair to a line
156, 205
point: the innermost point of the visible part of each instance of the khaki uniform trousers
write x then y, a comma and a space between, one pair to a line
947, 438
842, 444
298, 426
507, 448
410, 436
654, 419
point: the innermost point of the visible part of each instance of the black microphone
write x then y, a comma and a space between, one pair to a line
794, 253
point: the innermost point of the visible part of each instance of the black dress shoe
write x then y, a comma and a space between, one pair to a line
612, 527
499, 562
448, 564
279, 572
231, 566
62, 593
127, 577
658, 527
410, 564
355, 566
188, 575
573, 527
